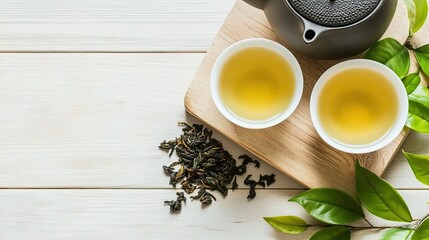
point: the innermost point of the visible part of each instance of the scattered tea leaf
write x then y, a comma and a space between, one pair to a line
397, 234
234, 184
422, 56
392, 54
420, 166
252, 185
269, 179
261, 182
206, 199
422, 231
176, 205
181, 197
330, 205
417, 13
257, 164
379, 197
287, 224
411, 82
264, 180
243, 167
418, 117
332, 233
199, 194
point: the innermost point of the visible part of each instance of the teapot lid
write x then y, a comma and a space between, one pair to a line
334, 13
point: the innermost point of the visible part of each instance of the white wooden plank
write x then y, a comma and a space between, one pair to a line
92, 120
95, 120
97, 25
140, 214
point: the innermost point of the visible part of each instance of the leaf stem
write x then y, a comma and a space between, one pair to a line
422, 219
408, 43
354, 227
414, 224
370, 224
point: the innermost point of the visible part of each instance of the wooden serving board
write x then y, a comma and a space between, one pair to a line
293, 146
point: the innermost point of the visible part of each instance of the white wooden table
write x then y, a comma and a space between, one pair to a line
88, 90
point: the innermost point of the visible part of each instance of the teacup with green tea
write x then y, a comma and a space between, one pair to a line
256, 83
359, 106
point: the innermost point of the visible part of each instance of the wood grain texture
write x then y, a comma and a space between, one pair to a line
95, 121
293, 146
140, 214
110, 26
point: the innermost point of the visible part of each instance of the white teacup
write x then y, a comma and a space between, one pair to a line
252, 43
401, 97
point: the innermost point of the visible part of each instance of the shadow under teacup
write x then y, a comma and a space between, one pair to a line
359, 106
256, 83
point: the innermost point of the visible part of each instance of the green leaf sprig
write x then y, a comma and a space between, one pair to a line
335, 208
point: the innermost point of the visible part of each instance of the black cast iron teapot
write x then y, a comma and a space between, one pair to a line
328, 29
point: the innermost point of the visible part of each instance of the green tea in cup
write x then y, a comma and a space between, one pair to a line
357, 106
256, 83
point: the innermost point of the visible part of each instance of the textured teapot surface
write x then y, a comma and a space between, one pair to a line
328, 29
334, 13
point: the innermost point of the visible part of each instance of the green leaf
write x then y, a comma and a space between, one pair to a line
287, 224
392, 54
411, 8
422, 56
424, 50
421, 14
417, 14
397, 234
420, 166
422, 231
421, 95
330, 205
379, 197
418, 117
332, 233
411, 82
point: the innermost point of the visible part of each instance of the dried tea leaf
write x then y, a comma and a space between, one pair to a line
234, 184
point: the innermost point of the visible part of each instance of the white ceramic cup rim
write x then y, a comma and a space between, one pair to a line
248, 43
402, 105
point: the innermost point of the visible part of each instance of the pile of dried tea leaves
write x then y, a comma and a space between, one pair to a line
205, 165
